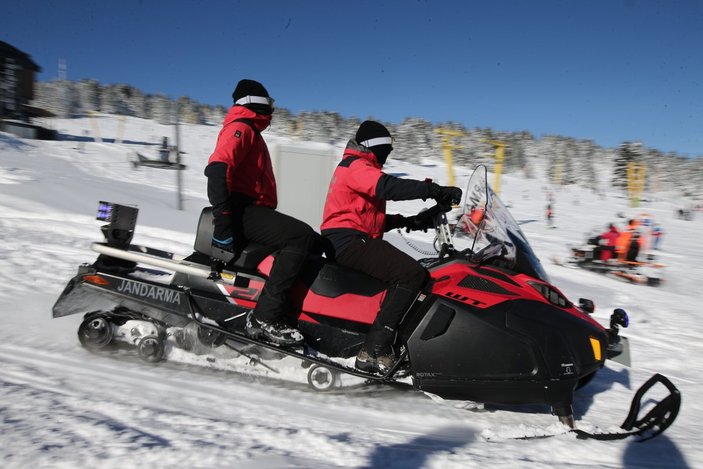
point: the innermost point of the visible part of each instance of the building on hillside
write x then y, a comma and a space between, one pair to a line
17, 76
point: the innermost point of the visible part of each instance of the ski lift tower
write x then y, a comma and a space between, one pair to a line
498, 168
447, 147
636, 177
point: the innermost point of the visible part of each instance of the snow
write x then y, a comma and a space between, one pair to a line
62, 406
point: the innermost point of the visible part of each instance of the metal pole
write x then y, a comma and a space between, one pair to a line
178, 156
447, 148
500, 155
498, 168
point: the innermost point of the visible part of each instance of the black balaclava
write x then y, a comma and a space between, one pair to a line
376, 137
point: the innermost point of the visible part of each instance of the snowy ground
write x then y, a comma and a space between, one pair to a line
62, 406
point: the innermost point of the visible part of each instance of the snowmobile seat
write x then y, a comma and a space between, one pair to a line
333, 280
250, 257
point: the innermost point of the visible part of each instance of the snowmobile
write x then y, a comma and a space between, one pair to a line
488, 327
141, 160
164, 159
645, 272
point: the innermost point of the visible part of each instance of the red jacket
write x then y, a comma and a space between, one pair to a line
611, 236
246, 155
352, 202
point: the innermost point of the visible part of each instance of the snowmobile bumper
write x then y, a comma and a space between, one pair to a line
93, 290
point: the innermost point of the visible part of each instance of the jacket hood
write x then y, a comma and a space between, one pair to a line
355, 149
261, 122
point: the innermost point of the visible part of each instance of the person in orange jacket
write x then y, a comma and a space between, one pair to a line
624, 247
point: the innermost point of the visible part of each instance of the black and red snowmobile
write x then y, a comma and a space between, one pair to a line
488, 326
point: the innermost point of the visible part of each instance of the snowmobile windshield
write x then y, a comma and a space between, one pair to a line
495, 237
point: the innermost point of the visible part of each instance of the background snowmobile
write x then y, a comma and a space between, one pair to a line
142, 160
488, 327
645, 270
164, 159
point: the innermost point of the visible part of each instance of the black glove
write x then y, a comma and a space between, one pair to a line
226, 244
416, 223
422, 221
223, 234
445, 194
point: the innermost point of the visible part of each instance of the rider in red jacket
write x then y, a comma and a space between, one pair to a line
241, 148
354, 220
242, 191
608, 241
346, 208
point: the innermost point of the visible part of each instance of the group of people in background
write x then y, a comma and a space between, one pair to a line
628, 243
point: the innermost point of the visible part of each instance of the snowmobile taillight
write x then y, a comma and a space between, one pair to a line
96, 279
597, 351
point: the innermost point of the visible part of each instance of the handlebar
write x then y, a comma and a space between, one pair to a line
443, 239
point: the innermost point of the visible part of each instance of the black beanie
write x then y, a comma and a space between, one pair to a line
369, 130
247, 87
377, 138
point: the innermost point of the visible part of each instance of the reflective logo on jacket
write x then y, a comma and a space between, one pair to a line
351, 197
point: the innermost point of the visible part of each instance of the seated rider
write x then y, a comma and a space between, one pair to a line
606, 244
354, 220
623, 243
164, 150
634, 248
242, 191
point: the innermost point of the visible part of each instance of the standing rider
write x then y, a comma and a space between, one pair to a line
354, 220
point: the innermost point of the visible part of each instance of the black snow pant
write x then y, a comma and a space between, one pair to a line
405, 277
293, 239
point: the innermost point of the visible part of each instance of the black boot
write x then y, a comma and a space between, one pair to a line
277, 332
377, 354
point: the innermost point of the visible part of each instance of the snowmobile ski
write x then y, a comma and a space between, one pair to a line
654, 422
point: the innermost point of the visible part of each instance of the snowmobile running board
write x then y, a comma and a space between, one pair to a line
201, 320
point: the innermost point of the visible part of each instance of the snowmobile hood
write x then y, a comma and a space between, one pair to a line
260, 121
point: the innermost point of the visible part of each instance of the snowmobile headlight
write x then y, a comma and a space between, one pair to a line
551, 294
595, 345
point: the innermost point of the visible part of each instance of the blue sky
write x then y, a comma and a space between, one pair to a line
605, 70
